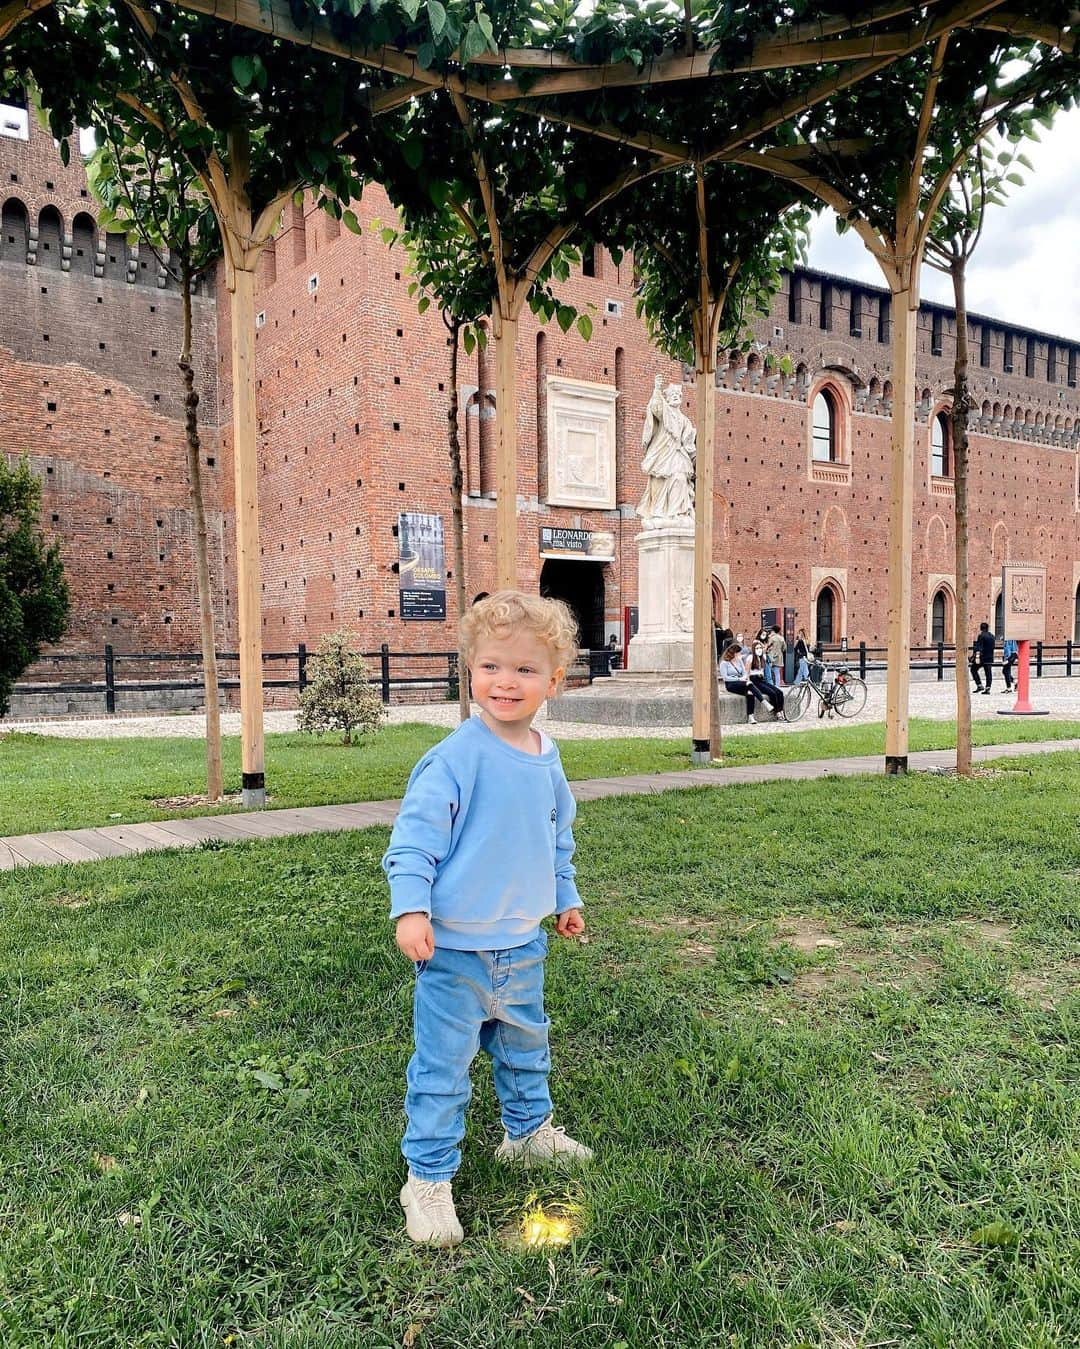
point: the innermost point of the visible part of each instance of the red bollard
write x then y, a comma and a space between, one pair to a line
1022, 707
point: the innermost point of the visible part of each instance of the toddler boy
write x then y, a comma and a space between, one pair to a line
480, 853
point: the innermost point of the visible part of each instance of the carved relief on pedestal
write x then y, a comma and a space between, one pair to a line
581, 440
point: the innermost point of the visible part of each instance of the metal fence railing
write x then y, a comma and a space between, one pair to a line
113, 674
1061, 658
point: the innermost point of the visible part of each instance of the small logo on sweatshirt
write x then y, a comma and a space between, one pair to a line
554, 818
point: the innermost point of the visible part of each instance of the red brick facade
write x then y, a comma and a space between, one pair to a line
352, 407
90, 390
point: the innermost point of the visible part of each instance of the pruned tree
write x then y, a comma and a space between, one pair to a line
709, 245
255, 125
441, 257
339, 695
149, 191
34, 601
927, 112
981, 181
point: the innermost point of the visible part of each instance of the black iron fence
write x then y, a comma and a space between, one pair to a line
402, 675
1048, 658
112, 674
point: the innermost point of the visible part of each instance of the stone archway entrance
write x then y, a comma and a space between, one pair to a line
581, 586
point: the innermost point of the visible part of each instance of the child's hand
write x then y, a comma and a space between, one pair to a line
415, 937
570, 923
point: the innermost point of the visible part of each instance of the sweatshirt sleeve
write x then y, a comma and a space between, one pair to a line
566, 891
421, 836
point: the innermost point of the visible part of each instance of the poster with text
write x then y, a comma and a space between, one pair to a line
421, 567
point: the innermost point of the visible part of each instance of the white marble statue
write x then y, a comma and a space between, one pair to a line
670, 443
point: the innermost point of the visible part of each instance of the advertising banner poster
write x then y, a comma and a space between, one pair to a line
421, 567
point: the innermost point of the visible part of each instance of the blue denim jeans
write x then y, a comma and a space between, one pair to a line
464, 1001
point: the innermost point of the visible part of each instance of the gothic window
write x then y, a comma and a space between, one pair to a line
940, 446
824, 428
825, 614
938, 617
13, 235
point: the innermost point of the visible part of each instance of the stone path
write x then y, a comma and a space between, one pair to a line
124, 840
928, 698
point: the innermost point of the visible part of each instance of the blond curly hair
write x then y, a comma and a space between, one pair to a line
507, 612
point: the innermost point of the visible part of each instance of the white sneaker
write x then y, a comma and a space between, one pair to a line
751, 720
766, 705
544, 1146
430, 1216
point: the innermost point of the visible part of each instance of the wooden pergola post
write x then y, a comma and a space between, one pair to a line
240, 260
706, 318
904, 285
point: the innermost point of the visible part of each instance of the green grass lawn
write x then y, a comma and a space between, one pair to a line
55, 783
824, 1037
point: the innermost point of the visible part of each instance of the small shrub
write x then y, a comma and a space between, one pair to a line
339, 695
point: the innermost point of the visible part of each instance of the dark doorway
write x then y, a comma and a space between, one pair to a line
581, 586
999, 615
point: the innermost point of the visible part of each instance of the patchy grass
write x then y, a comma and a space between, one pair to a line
868, 1142
57, 783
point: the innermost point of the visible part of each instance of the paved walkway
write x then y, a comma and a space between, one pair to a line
123, 840
927, 698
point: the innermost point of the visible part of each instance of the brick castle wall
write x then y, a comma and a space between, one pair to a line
89, 338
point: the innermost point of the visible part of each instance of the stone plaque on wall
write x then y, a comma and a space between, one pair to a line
1023, 585
581, 443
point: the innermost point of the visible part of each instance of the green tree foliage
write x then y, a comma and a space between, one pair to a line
755, 228
33, 593
339, 695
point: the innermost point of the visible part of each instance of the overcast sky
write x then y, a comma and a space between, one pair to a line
1026, 269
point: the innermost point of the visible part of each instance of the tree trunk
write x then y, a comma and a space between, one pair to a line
202, 564
505, 333
457, 484
960, 410
905, 301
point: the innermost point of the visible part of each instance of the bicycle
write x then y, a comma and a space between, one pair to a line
837, 690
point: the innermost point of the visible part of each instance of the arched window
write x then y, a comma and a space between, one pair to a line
50, 237
940, 447
83, 243
13, 238
824, 428
825, 615
939, 611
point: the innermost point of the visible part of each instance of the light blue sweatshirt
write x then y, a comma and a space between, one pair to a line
483, 841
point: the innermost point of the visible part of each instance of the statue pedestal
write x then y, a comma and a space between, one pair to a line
663, 644
657, 689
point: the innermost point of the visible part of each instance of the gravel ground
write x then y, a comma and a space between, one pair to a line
1061, 697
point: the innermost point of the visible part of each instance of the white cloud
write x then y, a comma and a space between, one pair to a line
1026, 269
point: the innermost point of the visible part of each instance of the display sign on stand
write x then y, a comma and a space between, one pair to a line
1023, 592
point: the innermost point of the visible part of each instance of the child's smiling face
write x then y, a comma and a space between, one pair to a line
512, 675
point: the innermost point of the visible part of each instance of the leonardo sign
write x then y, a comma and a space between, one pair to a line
594, 545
